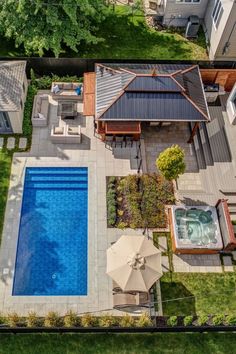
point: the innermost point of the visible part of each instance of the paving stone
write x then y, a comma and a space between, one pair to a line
227, 261
234, 255
162, 243
1, 142
10, 143
165, 264
22, 143
228, 266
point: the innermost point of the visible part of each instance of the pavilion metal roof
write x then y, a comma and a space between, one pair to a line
140, 92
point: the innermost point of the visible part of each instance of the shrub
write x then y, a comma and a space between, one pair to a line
170, 162
3, 319
172, 321
32, 320
71, 319
202, 320
13, 319
188, 320
27, 125
87, 320
112, 179
230, 320
122, 225
130, 189
52, 320
218, 320
107, 321
127, 321
144, 321
120, 212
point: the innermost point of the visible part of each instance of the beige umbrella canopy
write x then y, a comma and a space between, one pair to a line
134, 263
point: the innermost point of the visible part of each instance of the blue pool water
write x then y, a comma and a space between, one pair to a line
52, 243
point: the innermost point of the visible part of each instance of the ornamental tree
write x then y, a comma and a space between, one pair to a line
171, 163
42, 25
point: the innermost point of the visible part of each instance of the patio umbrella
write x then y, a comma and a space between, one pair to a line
134, 263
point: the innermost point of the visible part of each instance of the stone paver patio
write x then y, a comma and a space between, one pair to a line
101, 162
228, 266
11, 143
22, 143
162, 243
193, 263
165, 264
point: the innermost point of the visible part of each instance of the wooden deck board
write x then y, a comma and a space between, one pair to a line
89, 94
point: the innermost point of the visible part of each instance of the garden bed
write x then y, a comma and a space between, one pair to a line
138, 201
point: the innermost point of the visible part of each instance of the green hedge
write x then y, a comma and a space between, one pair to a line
111, 202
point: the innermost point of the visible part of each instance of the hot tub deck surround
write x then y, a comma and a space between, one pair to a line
101, 162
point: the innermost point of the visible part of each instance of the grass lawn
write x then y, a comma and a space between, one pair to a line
127, 37
178, 343
201, 293
5, 169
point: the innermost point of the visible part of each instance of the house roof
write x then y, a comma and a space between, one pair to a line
163, 92
12, 75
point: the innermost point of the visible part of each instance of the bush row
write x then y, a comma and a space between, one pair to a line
111, 201
202, 320
71, 319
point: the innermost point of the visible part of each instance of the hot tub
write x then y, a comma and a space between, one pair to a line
195, 229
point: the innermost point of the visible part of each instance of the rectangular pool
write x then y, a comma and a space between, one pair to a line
51, 256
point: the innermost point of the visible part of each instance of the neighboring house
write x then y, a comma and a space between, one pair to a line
13, 90
220, 26
128, 96
218, 18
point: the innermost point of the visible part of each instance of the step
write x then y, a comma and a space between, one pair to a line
52, 179
55, 171
205, 145
199, 151
62, 185
57, 187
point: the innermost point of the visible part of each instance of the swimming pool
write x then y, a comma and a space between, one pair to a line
51, 256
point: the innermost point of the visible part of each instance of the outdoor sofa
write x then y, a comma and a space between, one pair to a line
40, 111
66, 134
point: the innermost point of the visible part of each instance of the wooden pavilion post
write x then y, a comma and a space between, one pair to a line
193, 132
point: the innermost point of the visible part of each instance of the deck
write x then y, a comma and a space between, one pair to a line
89, 93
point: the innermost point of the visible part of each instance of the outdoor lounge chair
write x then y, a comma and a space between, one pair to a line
121, 300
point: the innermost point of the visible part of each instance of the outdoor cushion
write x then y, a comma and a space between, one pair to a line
78, 90
55, 89
41, 116
68, 86
73, 131
58, 130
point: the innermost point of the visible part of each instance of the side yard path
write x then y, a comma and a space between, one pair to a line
8, 145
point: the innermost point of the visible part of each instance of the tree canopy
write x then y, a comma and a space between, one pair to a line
42, 25
170, 162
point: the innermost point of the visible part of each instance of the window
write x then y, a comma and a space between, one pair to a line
217, 12
187, 1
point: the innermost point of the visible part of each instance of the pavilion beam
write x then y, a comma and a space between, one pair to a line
193, 132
